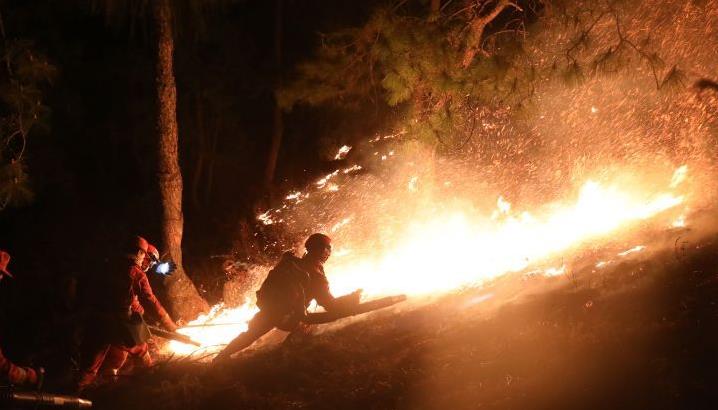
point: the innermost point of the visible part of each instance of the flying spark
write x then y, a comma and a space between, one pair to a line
342, 153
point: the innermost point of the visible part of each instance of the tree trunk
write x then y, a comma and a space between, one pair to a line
184, 300
434, 10
278, 128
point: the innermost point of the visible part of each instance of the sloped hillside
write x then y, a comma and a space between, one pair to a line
641, 332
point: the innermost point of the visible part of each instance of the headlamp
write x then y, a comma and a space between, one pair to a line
163, 268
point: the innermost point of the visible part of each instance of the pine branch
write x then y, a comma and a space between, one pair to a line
477, 26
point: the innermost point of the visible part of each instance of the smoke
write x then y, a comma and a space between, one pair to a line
628, 115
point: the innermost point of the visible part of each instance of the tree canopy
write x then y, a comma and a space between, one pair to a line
438, 70
25, 76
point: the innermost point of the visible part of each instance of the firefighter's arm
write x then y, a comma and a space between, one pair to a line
24, 376
149, 297
333, 304
323, 295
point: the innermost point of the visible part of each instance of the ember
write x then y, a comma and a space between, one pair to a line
457, 247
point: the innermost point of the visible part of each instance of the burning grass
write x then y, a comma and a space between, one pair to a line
446, 248
578, 166
574, 165
638, 333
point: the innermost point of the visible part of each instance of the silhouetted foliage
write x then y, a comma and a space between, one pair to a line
26, 74
438, 72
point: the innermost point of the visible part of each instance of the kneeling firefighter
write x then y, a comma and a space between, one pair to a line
288, 290
119, 330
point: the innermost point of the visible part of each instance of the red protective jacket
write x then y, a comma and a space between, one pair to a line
13, 374
141, 295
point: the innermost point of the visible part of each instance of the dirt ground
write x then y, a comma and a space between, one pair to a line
641, 332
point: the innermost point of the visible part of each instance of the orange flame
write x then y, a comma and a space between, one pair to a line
456, 249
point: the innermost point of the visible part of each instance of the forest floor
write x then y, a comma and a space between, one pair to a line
640, 332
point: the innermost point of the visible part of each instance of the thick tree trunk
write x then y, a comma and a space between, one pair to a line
184, 300
278, 128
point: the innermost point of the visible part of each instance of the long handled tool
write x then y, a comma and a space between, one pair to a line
214, 324
156, 331
326, 317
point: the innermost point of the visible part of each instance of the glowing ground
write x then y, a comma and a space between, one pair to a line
639, 332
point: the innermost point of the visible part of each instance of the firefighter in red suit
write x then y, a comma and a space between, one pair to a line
286, 293
126, 334
117, 355
9, 372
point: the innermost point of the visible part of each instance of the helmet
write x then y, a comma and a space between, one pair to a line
152, 257
4, 261
141, 243
153, 253
317, 242
133, 244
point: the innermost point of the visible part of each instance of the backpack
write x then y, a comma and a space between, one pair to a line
283, 289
